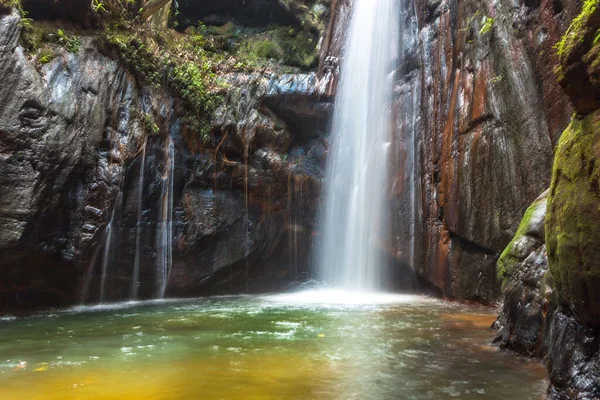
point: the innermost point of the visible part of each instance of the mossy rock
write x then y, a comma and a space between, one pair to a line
286, 46
573, 218
528, 238
578, 51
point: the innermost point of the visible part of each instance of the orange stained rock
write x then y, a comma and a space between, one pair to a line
441, 260
479, 93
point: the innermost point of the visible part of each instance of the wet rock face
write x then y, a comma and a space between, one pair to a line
56, 179
527, 293
551, 305
529, 238
533, 320
483, 110
85, 188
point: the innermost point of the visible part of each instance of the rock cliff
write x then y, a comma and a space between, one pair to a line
551, 271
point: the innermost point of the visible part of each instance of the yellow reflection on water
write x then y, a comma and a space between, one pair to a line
256, 377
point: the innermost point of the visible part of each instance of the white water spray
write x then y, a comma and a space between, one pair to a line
164, 243
138, 233
353, 219
108, 240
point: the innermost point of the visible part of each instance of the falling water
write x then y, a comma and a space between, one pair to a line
164, 238
108, 239
138, 233
353, 224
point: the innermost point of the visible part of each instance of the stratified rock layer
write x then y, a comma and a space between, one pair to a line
478, 113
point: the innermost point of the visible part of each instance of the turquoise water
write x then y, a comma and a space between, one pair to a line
263, 347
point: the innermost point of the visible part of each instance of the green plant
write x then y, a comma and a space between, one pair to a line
187, 80
149, 124
497, 79
98, 6
180, 63
70, 43
487, 23
7, 5
45, 56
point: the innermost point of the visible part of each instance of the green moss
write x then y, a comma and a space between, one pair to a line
572, 234
32, 36
508, 259
577, 32
180, 63
281, 45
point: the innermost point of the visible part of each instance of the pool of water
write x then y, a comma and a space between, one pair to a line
308, 346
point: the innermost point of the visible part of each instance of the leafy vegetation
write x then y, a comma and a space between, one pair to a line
282, 45
149, 124
487, 23
70, 43
45, 56
189, 64
180, 63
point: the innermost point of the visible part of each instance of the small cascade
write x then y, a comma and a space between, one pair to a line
295, 204
108, 242
138, 234
413, 182
353, 220
292, 259
246, 241
164, 235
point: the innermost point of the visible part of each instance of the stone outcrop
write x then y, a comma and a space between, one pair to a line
478, 113
86, 150
535, 322
551, 296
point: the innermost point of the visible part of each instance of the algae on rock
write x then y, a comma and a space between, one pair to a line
572, 222
529, 236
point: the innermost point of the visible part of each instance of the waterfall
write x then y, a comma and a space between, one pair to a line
138, 233
164, 243
353, 219
108, 239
